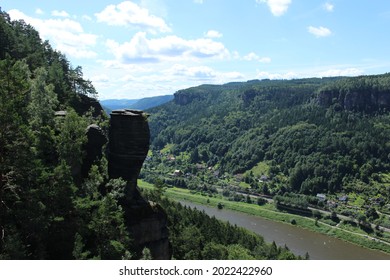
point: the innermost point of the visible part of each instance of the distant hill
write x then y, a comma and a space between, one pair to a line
139, 104
114, 104
150, 102
315, 135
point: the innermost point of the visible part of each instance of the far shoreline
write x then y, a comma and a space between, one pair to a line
267, 212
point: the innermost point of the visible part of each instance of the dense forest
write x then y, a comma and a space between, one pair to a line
194, 235
53, 205
317, 136
48, 210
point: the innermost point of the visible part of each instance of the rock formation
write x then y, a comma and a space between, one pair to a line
83, 104
93, 148
365, 94
127, 150
184, 97
356, 101
128, 146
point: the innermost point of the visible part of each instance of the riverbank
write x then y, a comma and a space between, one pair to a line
268, 211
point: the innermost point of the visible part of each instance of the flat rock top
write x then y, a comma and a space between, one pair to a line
127, 112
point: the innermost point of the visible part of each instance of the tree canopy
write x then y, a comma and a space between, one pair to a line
315, 135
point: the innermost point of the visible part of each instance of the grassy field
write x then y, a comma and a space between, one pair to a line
262, 168
167, 148
268, 211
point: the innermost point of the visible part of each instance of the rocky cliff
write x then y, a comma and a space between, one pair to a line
184, 97
127, 149
128, 146
367, 93
93, 148
82, 104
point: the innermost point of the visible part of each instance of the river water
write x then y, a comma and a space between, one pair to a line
300, 241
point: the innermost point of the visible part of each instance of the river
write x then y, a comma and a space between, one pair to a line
300, 241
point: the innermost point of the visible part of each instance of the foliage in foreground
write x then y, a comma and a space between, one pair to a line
47, 210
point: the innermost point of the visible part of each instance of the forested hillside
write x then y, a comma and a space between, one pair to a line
58, 202
306, 136
48, 209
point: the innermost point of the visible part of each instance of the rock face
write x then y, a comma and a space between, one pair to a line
93, 148
83, 104
356, 101
184, 97
364, 94
127, 149
128, 146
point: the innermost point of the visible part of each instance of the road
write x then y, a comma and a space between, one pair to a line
324, 212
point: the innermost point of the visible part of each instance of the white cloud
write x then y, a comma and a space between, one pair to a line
328, 7
140, 49
100, 78
128, 13
277, 7
101, 81
341, 72
145, 86
159, 79
232, 76
254, 57
277, 76
198, 1
197, 72
202, 74
213, 34
66, 35
332, 72
319, 31
128, 78
59, 13
39, 11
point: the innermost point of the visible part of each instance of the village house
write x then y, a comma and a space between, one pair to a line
263, 178
343, 198
171, 158
321, 196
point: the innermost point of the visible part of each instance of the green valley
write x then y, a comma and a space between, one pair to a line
309, 144
64, 195
313, 153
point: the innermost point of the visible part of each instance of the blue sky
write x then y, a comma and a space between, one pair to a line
142, 48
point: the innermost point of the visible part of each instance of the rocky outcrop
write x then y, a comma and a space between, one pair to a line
184, 97
147, 222
93, 148
248, 95
355, 100
127, 149
128, 146
366, 94
82, 104
181, 98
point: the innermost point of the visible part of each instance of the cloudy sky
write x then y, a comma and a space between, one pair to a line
142, 48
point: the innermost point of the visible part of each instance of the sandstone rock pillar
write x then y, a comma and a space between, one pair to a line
127, 149
128, 146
